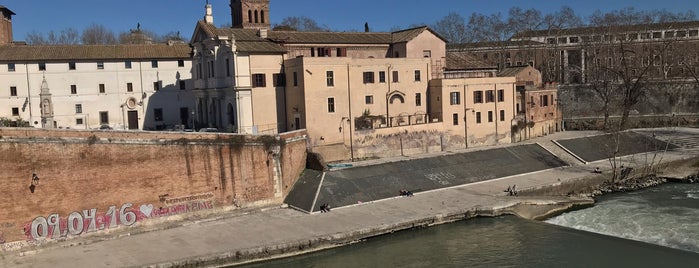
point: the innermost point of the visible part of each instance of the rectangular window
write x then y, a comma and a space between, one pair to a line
502, 115
369, 99
156, 86
10, 67
395, 76
73, 89
427, 54
78, 108
258, 80
545, 101
101, 88
154, 63
158, 114
71, 65
501, 95
100, 65
417, 75
199, 70
489, 96
478, 96
341, 52
183, 85
368, 77
212, 70
127, 64
104, 118
329, 79
455, 119
454, 98
331, 105
382, 77
296, 79
478, 117
13, 91
129, 87
228, 67
490, 116
279, 80
180, 63
15, 111
313, 52
78, 121
42, 66
418, 99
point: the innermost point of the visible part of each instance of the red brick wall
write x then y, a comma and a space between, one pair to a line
175, 173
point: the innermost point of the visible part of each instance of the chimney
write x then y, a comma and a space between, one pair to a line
262, 33
209, 18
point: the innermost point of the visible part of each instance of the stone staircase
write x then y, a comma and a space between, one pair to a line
560, 153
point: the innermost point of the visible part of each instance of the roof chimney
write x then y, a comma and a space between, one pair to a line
262, 32
209, 18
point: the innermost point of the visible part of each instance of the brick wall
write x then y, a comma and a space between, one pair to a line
142, 175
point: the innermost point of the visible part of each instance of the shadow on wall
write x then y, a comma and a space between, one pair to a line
168, 108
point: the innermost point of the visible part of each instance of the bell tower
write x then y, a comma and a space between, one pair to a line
250, 14
6, 25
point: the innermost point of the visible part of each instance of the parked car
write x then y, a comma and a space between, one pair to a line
105, 127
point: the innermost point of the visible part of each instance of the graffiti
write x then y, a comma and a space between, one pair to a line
149, 212
16, 245
190, 198
440, 177
56, 226
78, 223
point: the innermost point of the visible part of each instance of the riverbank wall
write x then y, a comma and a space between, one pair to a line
63, 184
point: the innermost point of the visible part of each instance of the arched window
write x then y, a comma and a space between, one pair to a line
397, 97
262, 16
256, 20
250, 16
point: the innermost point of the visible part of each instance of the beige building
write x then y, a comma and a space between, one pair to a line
537, 108
480, 111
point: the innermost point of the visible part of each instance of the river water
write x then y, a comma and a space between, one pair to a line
665, 218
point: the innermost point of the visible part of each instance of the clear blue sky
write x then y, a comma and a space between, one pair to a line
163, 16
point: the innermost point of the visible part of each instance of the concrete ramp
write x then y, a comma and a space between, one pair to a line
304, 192
601, 147
369, 183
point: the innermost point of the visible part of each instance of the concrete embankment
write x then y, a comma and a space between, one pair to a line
529, 208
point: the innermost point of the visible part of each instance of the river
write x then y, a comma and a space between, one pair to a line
655, 227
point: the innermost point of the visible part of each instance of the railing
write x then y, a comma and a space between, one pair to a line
378, 122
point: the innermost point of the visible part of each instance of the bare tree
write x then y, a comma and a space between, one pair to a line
453, 28
301, 24
68, 36
97, 34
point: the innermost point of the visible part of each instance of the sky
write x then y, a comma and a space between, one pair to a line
164, 16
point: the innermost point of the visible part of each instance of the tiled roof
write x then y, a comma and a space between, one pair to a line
465, 61
598, 30
408, 34
466, 46
93, 52
246, 40
291, 37
511, 71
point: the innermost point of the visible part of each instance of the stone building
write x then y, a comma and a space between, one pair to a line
569, 56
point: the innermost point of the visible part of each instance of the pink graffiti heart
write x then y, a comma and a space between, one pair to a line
146, 209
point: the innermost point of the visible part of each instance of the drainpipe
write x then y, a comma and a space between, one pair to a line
388, 82
496, 112
349, 105
465, 118
29, 93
